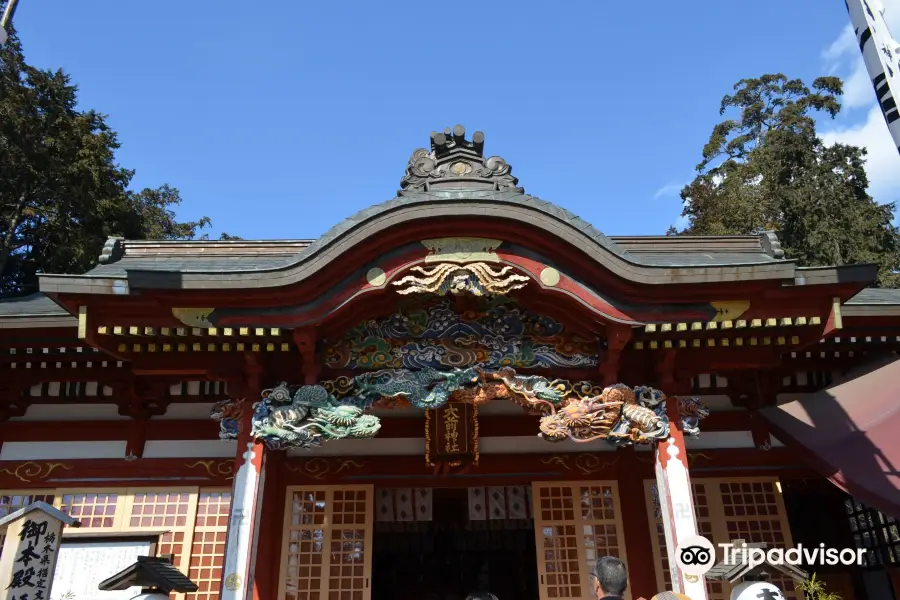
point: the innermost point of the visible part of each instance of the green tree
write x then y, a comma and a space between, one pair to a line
61, 191
766, 169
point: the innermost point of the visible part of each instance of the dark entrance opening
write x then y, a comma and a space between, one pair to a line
450, 556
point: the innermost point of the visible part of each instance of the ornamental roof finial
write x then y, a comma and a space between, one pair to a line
455, 163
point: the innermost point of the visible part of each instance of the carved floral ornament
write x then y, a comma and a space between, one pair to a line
309, 415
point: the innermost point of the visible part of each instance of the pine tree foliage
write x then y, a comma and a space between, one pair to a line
766, 169
62, 193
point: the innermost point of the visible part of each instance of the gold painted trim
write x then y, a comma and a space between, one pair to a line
730, 310
193, 317
462, 250
82, 322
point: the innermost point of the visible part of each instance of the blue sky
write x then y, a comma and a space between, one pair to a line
280, 118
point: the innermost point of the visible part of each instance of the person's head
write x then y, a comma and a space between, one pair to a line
610, 578
481, 596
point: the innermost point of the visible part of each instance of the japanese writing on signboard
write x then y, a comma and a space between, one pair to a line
452, 433
31, 570
29, 557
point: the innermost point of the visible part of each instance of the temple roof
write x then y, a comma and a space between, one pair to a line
121, 256
34, 310
450, 185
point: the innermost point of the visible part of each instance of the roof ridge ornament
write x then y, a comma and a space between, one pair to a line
456, 163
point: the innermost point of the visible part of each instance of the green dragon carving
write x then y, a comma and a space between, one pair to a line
308, 418
428, 388
311, 414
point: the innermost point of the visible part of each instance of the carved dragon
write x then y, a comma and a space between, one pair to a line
308, 418
579, 412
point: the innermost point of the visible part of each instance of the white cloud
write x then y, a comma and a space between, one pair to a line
845, 43
843, 58
882, 161
672, 188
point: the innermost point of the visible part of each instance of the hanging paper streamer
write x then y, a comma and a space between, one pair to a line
403, 505
500, 503
477, 504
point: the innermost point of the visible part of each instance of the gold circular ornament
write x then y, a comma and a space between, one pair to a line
376, 277
233, 582
550, 277
691, 578
460, 168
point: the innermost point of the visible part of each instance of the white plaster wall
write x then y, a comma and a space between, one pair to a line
190, 449
709, 440
72, 412
56, 450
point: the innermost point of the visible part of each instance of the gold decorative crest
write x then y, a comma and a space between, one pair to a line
462, 250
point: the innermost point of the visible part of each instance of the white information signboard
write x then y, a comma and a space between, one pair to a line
83, 564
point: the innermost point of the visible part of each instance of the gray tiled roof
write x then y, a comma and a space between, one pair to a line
876, 296
121, 256
34, 305
198, 262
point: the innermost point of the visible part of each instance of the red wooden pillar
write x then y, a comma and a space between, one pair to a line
677, 502
636, 525
268, 552
246, 497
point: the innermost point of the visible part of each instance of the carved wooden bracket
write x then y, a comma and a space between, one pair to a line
14, 401
305, 338
617, 337
246, 383
142, 399
753, 389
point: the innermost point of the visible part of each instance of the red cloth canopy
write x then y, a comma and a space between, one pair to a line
850, 432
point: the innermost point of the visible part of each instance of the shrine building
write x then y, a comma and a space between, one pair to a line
464, 387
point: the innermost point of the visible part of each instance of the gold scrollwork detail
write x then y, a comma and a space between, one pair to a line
693, 456
215, 468
319, 468
588, 464
31, 471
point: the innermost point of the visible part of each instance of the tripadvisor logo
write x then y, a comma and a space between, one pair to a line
696, 555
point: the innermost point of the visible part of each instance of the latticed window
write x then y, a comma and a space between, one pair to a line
191, 523
874, 532
749, 509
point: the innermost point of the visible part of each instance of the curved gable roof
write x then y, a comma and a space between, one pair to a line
453, 180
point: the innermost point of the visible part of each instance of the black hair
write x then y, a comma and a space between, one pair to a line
481, 595
610, 572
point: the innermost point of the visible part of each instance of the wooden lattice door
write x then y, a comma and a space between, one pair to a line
575, 523
327, 544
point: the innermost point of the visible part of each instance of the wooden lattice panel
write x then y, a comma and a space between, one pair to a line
715, 590
171, 510
207, 558
754, 512
742, 508
207, 562
165, 510
326, 552
94, 510
171, 543
212, 509
575, 524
